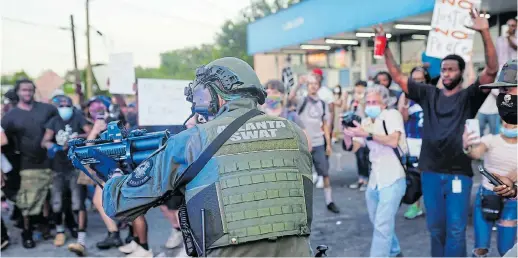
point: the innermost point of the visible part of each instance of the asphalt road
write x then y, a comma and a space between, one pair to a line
347, 234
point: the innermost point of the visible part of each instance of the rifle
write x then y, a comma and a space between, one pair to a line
114, 148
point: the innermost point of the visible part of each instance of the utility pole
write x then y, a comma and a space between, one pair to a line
79, 91
89, 78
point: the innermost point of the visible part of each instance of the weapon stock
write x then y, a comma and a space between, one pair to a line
114, 146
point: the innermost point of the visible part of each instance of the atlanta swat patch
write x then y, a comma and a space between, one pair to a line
141, 174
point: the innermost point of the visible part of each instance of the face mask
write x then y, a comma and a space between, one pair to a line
372, 111
65, 112
509, 133
273, 102
132, 119
507, 107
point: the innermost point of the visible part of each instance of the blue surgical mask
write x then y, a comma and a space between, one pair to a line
372, 111
65, 112
509, 133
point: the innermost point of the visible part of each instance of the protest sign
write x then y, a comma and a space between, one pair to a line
101, 76
162, 102
449, 34
46, 84
121, 73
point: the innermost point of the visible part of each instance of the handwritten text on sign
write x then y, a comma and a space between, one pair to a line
449, 34
162, 102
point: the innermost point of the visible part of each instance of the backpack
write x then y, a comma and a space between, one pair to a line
305, 102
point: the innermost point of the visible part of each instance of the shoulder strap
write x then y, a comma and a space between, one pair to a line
323, 110
398, 155
304, 103
195, 167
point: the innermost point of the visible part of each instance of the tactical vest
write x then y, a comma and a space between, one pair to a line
257, 186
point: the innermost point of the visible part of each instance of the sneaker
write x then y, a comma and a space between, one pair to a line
5, 243
28, 242
413, 212
77, 248
363, 188
59, 240
112, 240
315, 177
355, 185
332, 207
129, 248
140, 252
174, 240
320, 182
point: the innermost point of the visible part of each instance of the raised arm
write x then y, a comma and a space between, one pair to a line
392, 66
481, 25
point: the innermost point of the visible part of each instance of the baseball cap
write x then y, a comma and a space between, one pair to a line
318, 71
507, 77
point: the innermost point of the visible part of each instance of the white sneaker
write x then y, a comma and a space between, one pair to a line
174, 240
320, 182
129, 248
315, 177
141, 252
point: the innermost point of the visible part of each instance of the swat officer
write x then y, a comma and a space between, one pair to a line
253, 197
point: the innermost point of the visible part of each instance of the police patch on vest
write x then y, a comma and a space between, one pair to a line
141, 174
255, 130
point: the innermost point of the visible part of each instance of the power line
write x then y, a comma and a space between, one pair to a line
35, 24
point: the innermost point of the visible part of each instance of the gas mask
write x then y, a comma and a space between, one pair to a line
202, 92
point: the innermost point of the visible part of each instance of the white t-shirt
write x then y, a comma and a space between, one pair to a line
386, 167
4, 163
325, 94
500, 157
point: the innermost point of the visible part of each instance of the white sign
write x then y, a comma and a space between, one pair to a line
162, 102
101, 76
449, 34
121, 73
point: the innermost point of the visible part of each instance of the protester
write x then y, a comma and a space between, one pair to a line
68, 125
25, 124
337, 107
499, 155
446, 170
383, 132
506, 44
413, 117
384, 78
275, 103
357, 106
316, 118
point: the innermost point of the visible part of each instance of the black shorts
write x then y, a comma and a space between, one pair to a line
320, 160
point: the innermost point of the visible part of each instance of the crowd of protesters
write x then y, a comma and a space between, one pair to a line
425, 122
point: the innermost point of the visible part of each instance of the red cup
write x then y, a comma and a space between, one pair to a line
380, 43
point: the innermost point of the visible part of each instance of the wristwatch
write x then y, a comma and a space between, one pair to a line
369, 138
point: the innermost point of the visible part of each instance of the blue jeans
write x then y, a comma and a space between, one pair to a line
383, 205
446, 212
492, 120
506, 235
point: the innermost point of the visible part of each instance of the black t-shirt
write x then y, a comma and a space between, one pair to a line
26, 128
444, 120
63, 131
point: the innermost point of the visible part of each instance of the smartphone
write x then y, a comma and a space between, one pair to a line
474, 127
495, 181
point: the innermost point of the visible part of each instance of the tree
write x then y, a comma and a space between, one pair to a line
11, 79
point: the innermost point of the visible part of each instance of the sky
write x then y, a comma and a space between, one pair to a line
35, 35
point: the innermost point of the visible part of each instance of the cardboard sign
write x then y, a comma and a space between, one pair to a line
121, 73
449, 34
46, 84
162, 102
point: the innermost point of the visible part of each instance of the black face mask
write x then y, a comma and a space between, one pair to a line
507, 107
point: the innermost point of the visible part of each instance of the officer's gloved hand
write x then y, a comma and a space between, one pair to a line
51, 152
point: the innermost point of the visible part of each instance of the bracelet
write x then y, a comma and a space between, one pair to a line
467, 151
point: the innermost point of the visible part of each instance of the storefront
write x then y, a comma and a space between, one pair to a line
336, 35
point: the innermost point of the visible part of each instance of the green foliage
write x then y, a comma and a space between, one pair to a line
11, 79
